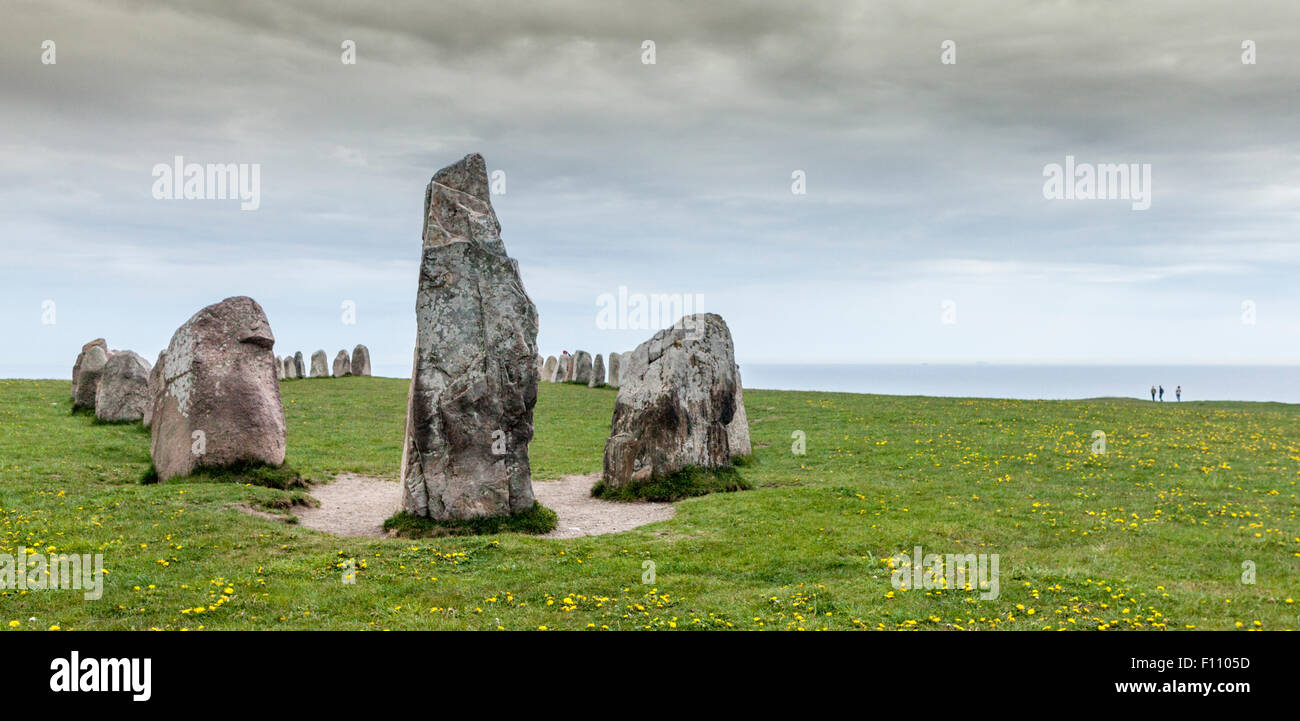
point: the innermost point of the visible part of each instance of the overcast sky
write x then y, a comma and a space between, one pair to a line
924, 180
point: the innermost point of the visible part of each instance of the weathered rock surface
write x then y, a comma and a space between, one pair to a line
319, 365
87, 371
615, 359
279, 368
218, 401
342, 364
155, 388
548, 369
288, 369
570, 367
123, 390
597, 372
470, 410
360, 361
581, 367
677, 404
299, 367
76, 366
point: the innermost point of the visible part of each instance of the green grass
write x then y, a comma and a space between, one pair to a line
537, 520
1152, 534
682, 484
283, 477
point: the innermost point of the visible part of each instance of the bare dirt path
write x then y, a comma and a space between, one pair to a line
351, 505
356, 505
581, 515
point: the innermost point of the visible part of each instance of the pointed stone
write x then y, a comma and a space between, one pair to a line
470, 408
597, 373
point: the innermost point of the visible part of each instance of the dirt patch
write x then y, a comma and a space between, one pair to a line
352, 505
356, 505
581, 515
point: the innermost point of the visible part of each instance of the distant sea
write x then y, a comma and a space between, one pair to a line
976, 380
980, 380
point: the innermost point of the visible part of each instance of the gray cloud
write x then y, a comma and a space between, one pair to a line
924, 180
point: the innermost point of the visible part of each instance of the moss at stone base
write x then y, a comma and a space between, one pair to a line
283, 476
537, 520
692, 481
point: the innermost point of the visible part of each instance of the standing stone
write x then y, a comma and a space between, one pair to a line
123, 391
155, 388
597, 373
361, 361
677, 404
319, 366
81, 358
738, 428
548, 369
279, 368
570, 367
614, 360
582, 367
469, 414
299, 367
88, 371
219, 402
286, 367
342, 364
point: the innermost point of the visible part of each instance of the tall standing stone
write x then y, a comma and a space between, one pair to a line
679, 404
123, 390
319, 365
615, 359
548, 369
342, 364
279, 368
597, 372
360, 361
570, 367
218, 402
299, 367
470, 410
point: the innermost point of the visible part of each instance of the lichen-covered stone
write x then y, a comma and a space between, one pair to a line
123, 391
474, 384
679, 404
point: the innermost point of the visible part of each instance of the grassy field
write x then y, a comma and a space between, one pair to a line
1153, 534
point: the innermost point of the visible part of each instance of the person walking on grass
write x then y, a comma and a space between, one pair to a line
1153, 394
1162, 394
1178, 393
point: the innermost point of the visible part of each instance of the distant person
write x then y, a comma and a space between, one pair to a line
1153, 394
1178, 393
1162, 394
